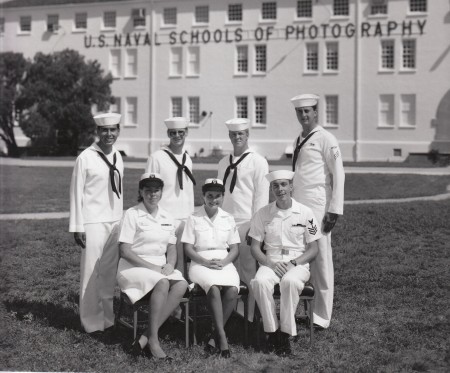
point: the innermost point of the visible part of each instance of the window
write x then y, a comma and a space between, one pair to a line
131, 112
417, 5
194, 109
409, 54
408, 110
80, 21
378, 7
109, 20
340, 8
202, 14
386, 111
138, 16
170, 16
304, 9
176, 61
177, 106
242, 59
312, 57
193, 61
332, 62
115, 107
260, 110
115, 63
52, 22
234, 12
260, 58
331, 110
25, 23
241, 107
387, 54
269, 10
2, 25
131, 63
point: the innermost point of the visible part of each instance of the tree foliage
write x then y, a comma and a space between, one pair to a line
13, 67
58, 95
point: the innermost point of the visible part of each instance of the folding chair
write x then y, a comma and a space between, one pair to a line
143, 304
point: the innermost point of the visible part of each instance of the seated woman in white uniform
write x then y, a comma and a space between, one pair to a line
211, 241
148, 257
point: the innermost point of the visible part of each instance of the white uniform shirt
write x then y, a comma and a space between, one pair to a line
91, 197
319, 172
205, 234
179, 202
251, 191
148, 235
285, 232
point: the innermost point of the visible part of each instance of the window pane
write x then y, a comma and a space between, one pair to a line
138, 16
387, 54
378, 7
331, 108
52, 22
193, 61
176, 61
202, 14
131, 62
194, 109
260, 110
340, 8
304, 8
235, 12
115, 107
260, 58
109, 19
81, 20
409, 54
332, 62
131, 114
417, 5
25, 23
408, 110
114, 63
269, 10
170, 16
242, 59
241, 107
177, 107
312, 57
386, 110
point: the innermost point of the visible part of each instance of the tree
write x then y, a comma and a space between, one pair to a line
58, 95
13, 67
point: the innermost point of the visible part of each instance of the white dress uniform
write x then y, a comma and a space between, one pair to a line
319, 184
250, 193
96, 210
284, 233
211, 240
149, 237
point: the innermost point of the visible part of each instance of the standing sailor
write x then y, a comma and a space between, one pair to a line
96, 206
246, 191
319, 184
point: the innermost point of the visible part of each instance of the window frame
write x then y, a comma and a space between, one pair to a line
380, 111
134, 74
237, 108
196, 21
297, 17
196, 72
112, 17
134, 122
115, 52
307, 58
384, 43
138, 18
21, 30
416, 3
238, 60
196, 119
328, 57
179, 53
241, 12
413, 103
172, 111
336, 8
412, 55
259, 59
76, 22
326, 110
263, 11
166, 14
257, 123
53, 23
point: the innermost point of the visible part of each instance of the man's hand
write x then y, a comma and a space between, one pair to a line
328, 222
80, 239
280, 268
167, 269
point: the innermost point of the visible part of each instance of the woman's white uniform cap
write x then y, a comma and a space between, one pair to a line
213, 181
280, 175
238, 124
305, 100
175, 123
107, 119
152, 177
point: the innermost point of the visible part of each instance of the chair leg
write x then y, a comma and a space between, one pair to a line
246, 321
256, 321
194, 324
135, 321
311, 321
186, 322
119, 311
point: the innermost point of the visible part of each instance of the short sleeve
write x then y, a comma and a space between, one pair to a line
234, 234
189, 232
257, 227
128, 227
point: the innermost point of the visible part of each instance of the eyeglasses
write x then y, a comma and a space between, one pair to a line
179, 133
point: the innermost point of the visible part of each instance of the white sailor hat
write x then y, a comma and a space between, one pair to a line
213, 184
150, 178
174, 123
238, 124
280, 175
305, 100
107, 119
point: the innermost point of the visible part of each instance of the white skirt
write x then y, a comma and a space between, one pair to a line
136, 282
207, 277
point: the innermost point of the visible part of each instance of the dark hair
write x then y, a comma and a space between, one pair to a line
213, 187
147, 183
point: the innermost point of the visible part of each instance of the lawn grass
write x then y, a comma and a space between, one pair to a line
46, 189
391, 303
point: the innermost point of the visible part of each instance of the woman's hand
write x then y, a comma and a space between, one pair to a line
214, 264
167, 269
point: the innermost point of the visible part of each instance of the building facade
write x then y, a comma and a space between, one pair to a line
381, 68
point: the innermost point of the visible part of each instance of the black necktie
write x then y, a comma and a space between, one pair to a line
112, 169
181, 168
298, 147
233, 166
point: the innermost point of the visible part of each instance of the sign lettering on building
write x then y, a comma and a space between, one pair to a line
290, 32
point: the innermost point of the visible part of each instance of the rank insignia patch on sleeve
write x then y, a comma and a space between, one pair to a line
335, 152
313, 228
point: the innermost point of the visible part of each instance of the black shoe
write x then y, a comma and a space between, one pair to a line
209, 348
284, 345
318, 328
226, 354
136, 349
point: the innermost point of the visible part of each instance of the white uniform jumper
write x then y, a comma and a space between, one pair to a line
211, 240
284, 233
319, 184
250, 193
96, 210
149, 237
178, 202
